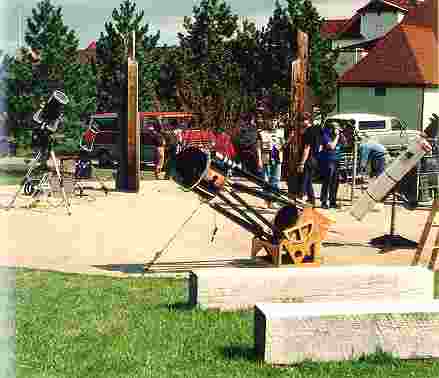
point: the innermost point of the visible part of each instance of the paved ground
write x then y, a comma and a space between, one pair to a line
119, 233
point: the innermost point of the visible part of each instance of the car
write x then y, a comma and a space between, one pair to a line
390, 131
106, 143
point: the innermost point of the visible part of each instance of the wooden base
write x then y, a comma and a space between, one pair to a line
301, 243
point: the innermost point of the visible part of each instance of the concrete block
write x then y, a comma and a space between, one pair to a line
241, 288
289, 333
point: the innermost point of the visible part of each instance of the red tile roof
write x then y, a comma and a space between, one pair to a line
407, 55
92, 45
331, 27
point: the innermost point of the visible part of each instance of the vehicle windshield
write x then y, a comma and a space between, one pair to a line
105, 123
342, 122
372, 125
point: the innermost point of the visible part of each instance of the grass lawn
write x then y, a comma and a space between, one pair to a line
86, 326
10, 179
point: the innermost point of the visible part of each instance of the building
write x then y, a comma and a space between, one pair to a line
399, 76
356, 36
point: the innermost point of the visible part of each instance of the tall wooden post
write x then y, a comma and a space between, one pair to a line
297, 110
129, 142
435, 4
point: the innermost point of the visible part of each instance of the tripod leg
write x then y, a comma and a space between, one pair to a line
31, 168
61, 182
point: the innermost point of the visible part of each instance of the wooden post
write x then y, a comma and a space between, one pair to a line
129, 165
297, 109
435, 4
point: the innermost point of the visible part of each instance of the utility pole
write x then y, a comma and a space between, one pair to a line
299, 69
129, 142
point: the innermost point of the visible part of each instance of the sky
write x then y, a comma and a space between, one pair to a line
87, 17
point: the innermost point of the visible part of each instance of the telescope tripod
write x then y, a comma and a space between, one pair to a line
44, 185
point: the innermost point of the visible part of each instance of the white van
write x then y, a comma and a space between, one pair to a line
387, 130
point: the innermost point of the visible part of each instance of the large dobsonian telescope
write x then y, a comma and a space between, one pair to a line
296, 229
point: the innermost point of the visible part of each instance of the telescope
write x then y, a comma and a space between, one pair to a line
296, 229
49, 115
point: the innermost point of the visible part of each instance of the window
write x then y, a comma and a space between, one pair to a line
380, 91
372, 125
106, 124
396, 125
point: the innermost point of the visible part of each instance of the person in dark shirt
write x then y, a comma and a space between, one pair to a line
309, 162
328, 165
249, 150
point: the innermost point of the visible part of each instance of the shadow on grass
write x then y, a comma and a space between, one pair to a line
239, 352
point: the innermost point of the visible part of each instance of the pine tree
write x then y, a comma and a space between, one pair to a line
111, 53
57, 66
208, 76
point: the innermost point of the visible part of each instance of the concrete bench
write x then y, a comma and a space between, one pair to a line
289, 333
241, 288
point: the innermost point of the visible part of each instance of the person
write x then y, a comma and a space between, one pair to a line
223, 144
310, 156
328, 164
271, 144
374, 153
249, 152
160, 145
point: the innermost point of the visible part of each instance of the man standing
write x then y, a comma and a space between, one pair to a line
328, 165
308, 164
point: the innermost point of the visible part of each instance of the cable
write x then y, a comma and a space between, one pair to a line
173, 237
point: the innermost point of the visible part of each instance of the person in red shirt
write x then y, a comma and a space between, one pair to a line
222, 143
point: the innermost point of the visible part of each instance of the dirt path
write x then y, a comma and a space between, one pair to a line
119, 233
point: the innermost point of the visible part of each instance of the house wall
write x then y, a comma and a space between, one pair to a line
431, 104
404, 103
374, 25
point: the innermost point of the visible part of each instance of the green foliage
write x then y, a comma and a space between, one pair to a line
208, 78
112, 52
30, 81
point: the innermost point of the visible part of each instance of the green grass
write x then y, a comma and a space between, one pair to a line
87, 326
10, 178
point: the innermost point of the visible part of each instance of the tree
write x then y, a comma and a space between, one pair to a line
208, 77
50, 62
111, 53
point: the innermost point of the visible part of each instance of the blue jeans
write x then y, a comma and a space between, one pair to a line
377, 167
307, 187
272, 173
330, 182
